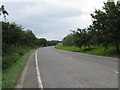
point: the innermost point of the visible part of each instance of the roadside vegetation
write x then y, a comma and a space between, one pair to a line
11, 74
94, 50
100, 38
17, 45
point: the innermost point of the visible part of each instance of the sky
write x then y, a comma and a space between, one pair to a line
51, 19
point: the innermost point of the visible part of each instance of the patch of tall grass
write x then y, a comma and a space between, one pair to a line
94, 50
13, 54
13, 71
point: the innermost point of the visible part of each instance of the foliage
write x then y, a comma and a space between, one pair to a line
16, 46
11, 74
69, 40
95, 50
15, 43
12, 34
106, 24
104, 31
42, 42
53, 42
3, 11
82, 38
78, 38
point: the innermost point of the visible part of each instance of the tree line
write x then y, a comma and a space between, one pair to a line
13, 34
104, 31
16, 41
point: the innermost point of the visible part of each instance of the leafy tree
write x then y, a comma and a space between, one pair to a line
95, 35
13, 34
42, 42
82, 38
53, 42
106, 24
28, 37
69, 40
3, 11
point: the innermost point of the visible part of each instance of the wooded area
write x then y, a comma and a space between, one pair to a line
104, 31
16, 40
14, 35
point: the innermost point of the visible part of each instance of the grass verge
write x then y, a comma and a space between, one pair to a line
110, 52
11, 74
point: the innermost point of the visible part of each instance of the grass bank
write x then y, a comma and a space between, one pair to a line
110, 52
12, 73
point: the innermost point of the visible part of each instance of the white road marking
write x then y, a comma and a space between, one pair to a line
116, 72
38, 73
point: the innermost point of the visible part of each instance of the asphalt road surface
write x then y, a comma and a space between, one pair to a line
53, 68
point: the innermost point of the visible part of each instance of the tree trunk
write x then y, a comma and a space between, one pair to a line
117, 47
85, 48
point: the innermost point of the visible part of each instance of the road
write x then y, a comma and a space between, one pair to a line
64, 69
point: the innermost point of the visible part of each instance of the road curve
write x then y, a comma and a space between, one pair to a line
65, 69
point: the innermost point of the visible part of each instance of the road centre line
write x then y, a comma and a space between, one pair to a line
38, 73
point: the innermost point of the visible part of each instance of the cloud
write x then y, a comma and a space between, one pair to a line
52, 19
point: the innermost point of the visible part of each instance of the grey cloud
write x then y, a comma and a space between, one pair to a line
45, 19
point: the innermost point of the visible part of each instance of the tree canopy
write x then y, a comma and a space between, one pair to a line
104, 30
3, 11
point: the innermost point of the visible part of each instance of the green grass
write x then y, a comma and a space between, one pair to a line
12, 54
11, 74
110, 52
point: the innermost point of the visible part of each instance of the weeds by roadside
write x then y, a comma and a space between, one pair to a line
110, 52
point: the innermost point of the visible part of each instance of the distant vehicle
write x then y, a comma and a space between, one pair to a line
59, 44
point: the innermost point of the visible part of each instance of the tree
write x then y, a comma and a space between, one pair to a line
3, 11
53, 42
106, 23
95, 36
69, 40
13, 34
82, 38
42, 42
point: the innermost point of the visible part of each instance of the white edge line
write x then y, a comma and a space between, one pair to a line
38, 73
116, 72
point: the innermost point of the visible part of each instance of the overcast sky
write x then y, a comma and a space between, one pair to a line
52, 19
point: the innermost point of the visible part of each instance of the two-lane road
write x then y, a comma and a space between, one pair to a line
65, 69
